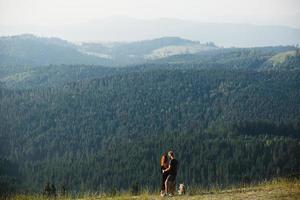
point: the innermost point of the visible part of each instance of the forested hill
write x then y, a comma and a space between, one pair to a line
226, 126
251, 59
29, 50
36, 52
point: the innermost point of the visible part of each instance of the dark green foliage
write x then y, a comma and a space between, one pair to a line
8, 178
53, 190
63, 190
225, 126
231, 58
25, 77
50, 190
267, 128
47, 189
135, 188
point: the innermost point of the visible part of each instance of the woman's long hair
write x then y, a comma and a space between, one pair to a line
164, 159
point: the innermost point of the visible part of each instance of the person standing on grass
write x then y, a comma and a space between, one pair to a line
170, 182
164, 164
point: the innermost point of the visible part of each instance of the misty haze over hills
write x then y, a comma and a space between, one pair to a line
131, 29
27, 49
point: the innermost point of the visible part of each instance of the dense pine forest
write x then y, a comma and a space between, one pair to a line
232, 116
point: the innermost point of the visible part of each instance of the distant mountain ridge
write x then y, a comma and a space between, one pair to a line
146, 46
131, 29
147, 49
28, 49
27, 61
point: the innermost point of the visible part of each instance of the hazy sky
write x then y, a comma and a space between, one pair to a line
60, 12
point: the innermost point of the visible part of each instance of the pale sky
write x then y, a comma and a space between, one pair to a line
61, 12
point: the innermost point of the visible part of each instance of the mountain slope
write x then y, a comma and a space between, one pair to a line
110, 132
190, 55
289, 60
32, 50
29, 50
141, 51
26, 77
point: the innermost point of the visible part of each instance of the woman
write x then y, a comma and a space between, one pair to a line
164, 164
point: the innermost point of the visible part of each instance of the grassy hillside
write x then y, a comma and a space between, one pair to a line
281, 57
289, 60
273, 190
179, 50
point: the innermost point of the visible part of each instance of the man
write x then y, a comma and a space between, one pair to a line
172, 170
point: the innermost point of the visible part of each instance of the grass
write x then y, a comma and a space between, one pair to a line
276, 189
281, 57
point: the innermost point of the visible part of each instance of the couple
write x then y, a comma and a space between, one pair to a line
169, 172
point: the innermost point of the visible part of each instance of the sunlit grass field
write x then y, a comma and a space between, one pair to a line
276, 189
